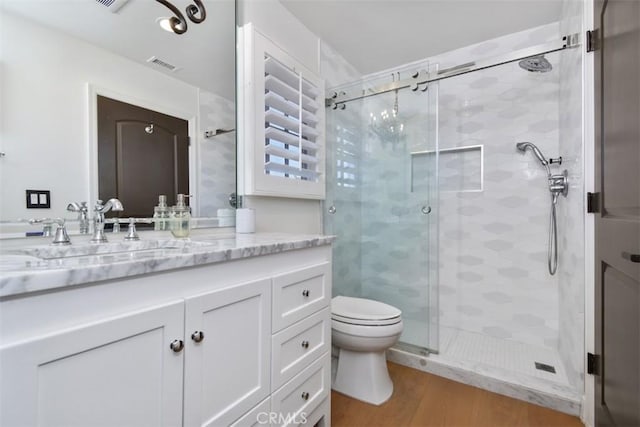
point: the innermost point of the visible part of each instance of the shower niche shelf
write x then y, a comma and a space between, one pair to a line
461, 169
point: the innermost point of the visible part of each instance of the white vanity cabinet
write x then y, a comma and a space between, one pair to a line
186, 347
227, 356
118, 371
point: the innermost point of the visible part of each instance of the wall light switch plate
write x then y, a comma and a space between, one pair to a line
38, 199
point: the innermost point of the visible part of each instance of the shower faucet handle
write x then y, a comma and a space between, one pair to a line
557, 160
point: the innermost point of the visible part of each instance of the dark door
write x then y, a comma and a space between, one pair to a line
141, 154
618, 222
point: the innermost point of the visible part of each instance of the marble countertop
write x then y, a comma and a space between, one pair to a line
38, 268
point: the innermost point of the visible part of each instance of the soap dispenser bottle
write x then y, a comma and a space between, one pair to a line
161, 214
180, 218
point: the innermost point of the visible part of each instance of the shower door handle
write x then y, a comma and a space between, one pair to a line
631, 257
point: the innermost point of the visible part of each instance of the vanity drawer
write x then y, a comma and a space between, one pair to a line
298, 294
298, 398
257, 416
298, 345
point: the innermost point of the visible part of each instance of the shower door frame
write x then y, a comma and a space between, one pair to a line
419, 79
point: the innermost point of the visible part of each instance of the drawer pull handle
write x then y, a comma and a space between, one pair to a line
305, 344
306, 293
197, 336
176, 346
305, 395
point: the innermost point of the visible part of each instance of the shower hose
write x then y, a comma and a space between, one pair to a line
552, 249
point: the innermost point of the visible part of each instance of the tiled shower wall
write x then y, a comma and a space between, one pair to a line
343, 165
493, 243
571, 214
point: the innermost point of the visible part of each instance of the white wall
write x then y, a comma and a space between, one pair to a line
44, 105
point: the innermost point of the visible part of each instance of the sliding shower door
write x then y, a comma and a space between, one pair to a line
382, 202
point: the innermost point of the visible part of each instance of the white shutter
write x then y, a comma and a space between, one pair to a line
286, 147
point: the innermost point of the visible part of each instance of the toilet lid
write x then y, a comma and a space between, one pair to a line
362, 309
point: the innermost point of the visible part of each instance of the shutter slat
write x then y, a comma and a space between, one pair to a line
288, 154
290, 94
289, 123
303, 173
287, 138
279, 103
289, 77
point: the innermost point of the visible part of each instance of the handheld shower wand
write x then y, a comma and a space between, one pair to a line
558, 184
522, 146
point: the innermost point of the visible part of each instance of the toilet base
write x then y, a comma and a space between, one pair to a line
363, 376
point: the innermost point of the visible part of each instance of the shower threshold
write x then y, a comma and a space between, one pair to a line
414, 349
501, 367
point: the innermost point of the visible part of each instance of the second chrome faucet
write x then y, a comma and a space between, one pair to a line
99, 210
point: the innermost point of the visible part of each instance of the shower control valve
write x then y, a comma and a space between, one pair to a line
559, 184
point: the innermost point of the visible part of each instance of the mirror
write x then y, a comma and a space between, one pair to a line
59, 56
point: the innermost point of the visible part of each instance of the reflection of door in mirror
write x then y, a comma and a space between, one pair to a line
141, 154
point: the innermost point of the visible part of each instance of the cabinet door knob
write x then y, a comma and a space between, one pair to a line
305, 395
197, 336
305, 344
306, 293
176, 346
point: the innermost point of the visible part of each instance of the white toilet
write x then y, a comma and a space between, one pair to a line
363, 330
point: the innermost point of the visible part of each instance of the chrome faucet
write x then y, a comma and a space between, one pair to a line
83, 215
61, 237
98, 218
47, 224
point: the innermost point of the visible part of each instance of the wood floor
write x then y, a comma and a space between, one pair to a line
421, 399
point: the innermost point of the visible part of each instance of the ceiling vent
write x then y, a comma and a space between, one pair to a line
113, 5
163, 64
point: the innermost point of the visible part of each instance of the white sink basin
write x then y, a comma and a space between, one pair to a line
55, 252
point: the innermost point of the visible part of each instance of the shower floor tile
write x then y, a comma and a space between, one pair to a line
502, 354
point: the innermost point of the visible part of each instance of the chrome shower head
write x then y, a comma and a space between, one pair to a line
536, 64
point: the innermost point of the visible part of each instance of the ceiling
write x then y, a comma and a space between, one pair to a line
372, 35
205, 54
381, 34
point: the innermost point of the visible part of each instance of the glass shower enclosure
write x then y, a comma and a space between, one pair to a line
382, 200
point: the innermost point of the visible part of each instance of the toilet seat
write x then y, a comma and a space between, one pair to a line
365, 312
365, 322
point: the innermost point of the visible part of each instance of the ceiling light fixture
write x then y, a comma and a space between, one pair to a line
178, 23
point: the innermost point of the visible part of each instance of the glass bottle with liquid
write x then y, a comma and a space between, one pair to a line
180, 218
161, 214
